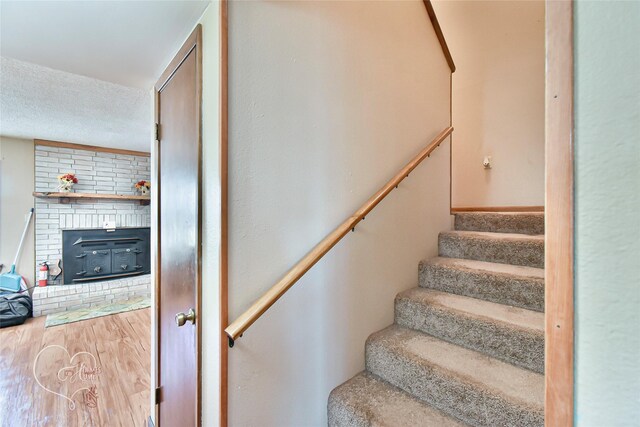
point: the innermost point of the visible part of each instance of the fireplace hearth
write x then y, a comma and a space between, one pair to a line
95, 254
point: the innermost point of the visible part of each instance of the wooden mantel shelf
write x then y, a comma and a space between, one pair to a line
68, 197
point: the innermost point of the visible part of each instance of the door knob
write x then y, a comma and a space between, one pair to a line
182, 318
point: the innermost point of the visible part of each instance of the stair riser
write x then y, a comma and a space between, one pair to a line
451, 394
500, 288
518, 346
500, 223
514, 252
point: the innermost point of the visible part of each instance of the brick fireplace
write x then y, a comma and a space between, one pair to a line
98, 172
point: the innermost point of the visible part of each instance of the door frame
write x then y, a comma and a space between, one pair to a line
559, 215
193, 42
224, 217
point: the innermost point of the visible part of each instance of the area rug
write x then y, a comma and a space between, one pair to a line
97, 311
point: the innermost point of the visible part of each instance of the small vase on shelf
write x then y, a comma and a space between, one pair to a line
66, 188
144, 187
66, 182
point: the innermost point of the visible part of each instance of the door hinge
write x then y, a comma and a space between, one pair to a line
157, 131
158, 395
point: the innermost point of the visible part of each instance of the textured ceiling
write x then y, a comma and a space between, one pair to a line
124, 42
39, 102
108, 53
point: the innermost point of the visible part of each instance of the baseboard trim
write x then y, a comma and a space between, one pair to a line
498, 209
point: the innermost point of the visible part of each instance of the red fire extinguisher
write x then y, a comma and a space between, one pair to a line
43, 273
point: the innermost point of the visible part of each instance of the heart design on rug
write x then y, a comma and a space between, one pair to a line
72, 372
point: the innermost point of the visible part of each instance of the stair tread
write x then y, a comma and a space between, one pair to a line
506, 248
518, 317
489, 267
506, 214
368, 400
506, 222
475, 369
514, 285
496, 236
514, 335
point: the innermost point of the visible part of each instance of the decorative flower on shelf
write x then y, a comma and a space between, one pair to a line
143, 186
66, 182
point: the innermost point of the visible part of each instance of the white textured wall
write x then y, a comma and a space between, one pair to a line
211, 193
16, 185
607, 209
328, 100
498, 100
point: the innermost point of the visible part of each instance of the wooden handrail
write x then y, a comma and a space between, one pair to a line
246, 319
436, 26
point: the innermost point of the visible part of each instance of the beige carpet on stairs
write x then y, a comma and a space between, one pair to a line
467, 345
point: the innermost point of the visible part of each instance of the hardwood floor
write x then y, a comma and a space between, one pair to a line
111, 382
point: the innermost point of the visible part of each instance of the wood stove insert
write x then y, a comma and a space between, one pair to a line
103, 254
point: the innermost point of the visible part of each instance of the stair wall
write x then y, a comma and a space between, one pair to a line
328, 101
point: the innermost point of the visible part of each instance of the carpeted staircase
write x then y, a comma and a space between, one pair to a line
467, 346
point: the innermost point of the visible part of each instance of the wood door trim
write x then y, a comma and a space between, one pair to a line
559, 202
436, 27
59, 144
155, 200
194, 41
498, 209
451, 143
224, 234
198, 47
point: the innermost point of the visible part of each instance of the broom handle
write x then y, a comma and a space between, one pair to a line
24, 234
